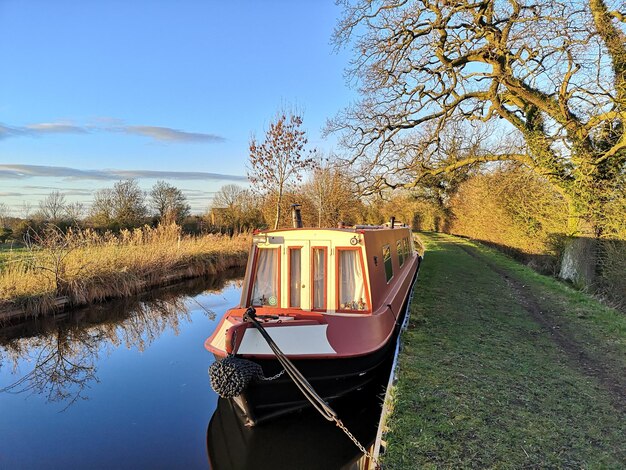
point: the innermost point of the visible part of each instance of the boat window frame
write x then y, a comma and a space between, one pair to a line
312, 279
365, 283
390, 259
400, 252
254, 274
289, 248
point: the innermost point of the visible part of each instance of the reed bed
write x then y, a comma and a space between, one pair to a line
84, 266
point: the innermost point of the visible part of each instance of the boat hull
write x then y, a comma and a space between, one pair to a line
331, 378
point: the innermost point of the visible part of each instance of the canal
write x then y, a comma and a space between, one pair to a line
124, 384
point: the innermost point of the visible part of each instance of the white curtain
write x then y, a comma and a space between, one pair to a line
351, 285
294, 282
265, 290
319, 260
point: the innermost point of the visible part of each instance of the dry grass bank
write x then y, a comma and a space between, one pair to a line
84, 266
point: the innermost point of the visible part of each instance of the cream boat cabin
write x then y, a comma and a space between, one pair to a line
331, 299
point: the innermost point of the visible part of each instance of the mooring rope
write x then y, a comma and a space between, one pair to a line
303, 384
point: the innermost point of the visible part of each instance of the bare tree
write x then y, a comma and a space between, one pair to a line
27, 208
235, 207
332, 194
128, 202
52, 208
553, 71
4, 214
122, 206
277, 163
101, 211
169, 202
74, 211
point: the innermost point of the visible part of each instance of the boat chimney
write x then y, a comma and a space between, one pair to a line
296, 216
392, 222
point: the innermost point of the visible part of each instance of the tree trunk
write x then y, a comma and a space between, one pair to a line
319, 216
579, 261
278, 208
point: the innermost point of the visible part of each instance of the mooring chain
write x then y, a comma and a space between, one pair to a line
343, 427
273, 377
303, 384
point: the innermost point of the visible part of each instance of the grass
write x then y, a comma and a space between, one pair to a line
9, 252
87, 267
483, 384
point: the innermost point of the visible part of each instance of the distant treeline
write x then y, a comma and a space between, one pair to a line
503, 204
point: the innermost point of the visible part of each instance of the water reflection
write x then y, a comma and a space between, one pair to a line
64, 350
302, 440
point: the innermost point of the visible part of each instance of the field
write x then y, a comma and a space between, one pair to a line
505, 368
9, 251
86, 267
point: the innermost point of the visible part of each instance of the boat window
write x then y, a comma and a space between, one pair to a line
400, 250
265, 289
387, 261
352, 295
319, 278
295, 270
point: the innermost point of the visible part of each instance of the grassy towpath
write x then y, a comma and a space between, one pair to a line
505, 368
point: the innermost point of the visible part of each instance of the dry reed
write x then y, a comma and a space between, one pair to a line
85, 266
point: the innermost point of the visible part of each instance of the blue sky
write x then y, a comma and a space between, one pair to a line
95, 91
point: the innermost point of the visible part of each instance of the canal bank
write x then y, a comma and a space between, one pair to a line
68, 270
503, 367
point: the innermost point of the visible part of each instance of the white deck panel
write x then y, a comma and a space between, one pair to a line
303, 339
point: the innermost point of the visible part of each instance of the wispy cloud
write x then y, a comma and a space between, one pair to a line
54, 128
158, 133
7, 131
167, 134
29, 171
8, 171
197, 192
73, 191
64, 192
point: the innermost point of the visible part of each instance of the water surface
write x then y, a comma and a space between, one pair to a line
124, 385
117, 385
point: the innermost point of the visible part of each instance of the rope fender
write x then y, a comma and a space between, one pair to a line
230, 376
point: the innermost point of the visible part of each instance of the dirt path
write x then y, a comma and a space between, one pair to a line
614, 381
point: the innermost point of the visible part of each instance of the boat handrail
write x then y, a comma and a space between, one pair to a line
375, 227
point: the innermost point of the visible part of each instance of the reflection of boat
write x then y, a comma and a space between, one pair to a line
331, 299
306, 440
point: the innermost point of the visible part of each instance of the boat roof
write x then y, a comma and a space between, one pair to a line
350, 229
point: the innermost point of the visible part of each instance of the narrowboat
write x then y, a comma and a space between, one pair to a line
331, 299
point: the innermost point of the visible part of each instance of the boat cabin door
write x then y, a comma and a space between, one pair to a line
307, 274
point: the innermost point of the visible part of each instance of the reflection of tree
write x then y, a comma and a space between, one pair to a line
149, 319
64, 365
65, 351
